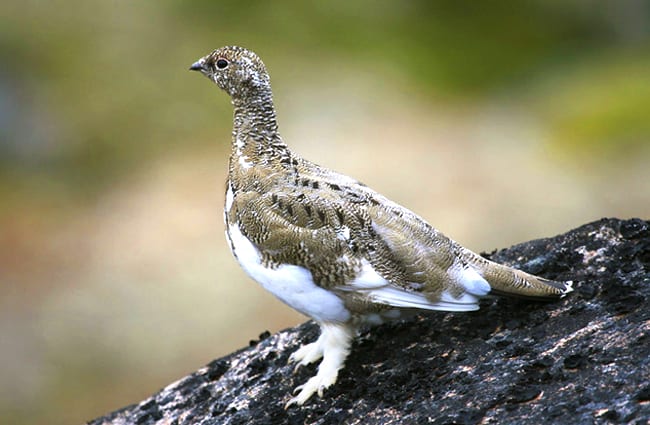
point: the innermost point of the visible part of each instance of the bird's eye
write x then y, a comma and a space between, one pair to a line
222, 63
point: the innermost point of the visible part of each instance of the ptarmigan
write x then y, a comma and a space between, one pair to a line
329, 246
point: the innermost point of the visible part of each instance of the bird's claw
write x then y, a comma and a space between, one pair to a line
306, 354
305, 392
315, 385
297, 389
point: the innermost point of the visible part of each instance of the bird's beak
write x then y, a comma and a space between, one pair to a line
197, 66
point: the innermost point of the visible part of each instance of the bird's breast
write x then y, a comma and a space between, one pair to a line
292, 284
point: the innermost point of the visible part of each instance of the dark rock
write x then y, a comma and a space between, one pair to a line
574, 361
643, 395
524, 393
582, 359
263, 336
634, 228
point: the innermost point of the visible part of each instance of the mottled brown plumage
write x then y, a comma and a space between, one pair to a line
328, 245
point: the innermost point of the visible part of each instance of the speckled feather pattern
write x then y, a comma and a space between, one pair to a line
330, 236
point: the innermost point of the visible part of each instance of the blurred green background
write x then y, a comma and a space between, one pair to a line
498, 121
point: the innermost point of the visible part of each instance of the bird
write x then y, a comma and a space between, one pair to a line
328, 245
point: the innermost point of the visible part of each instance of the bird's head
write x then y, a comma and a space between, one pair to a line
239, 72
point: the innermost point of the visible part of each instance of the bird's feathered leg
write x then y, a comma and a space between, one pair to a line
333, 345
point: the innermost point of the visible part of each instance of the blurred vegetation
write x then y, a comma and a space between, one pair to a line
81, 82
93, 92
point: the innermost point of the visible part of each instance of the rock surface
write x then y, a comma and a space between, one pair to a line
584, 359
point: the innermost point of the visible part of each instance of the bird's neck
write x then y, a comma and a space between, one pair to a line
256, 108
256, 141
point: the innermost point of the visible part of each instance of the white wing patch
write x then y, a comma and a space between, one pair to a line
473, 282
380, 290
368, 278
401, 298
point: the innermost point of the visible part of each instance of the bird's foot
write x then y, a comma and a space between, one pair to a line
315, 385
307, 354
333, 346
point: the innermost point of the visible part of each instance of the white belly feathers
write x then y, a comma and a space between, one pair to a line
292, 284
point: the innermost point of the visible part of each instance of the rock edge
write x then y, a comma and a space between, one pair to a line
583, 359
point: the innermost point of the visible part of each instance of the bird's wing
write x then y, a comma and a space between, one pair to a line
357, 242
421, 261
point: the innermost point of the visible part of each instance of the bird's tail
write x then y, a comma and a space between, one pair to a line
506, 280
